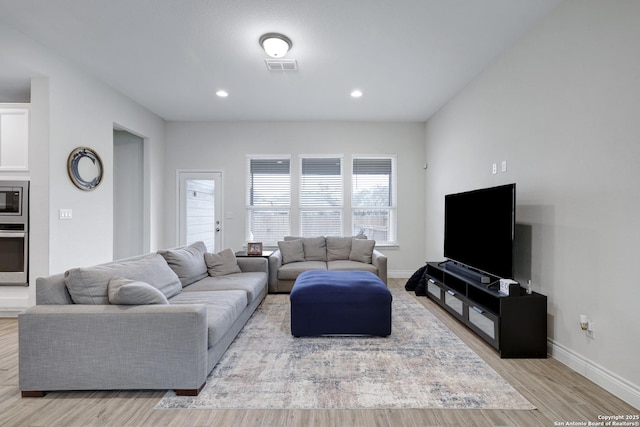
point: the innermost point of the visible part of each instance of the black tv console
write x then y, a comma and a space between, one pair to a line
515, 325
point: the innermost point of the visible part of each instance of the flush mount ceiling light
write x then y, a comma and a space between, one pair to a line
275, 45
222, 93
356, 93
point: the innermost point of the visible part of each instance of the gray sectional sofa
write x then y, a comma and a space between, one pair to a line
296, 255
156, 321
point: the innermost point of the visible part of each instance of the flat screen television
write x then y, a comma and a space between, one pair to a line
479, 229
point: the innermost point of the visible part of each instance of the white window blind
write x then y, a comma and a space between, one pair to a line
269, 199
373, 199
321, 196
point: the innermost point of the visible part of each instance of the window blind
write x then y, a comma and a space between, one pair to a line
321, 196
373, 198
269, 199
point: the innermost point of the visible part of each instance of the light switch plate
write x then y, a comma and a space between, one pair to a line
65, 214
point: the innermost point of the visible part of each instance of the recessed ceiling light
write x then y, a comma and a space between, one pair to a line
222, 93
357, 93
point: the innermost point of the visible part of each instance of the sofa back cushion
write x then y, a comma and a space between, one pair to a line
89, 285
291, 250
187, 262
362, 250
338, 248
314, 248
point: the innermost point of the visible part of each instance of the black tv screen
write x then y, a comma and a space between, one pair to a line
479, 229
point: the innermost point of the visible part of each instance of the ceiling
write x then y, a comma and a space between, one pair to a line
409, 57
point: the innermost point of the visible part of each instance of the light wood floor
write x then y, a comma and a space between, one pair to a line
560, 394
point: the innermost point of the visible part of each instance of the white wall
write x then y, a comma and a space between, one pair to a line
563, 108
73, 109
224, 146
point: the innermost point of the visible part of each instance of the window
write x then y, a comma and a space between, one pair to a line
373, 198
269, 199
321, 196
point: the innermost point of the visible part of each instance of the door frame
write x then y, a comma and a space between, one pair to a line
216, 175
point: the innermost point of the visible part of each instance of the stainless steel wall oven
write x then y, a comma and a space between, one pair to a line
14, 232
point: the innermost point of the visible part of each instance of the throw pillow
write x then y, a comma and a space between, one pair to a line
292, 251
362, 250
338, 248
222, 263
187, 262
133, 292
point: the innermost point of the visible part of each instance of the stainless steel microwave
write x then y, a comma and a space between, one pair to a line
14, 199
10, 200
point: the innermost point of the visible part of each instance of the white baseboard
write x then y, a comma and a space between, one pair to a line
10, 312
606, 379
399, 274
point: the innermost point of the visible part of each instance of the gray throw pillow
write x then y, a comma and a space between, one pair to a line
338, 248
292, 251
187, 262
222, 263
133, 292
362, 250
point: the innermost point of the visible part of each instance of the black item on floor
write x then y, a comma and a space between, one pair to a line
416, 280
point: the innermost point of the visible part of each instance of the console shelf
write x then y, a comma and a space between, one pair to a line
516, 326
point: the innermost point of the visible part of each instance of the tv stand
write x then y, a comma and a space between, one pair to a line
516, 326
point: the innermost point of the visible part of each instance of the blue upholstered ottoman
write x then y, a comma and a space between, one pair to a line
340, 303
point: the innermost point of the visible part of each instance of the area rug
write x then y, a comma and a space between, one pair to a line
422, 364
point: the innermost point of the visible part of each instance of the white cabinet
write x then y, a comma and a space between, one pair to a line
14, 138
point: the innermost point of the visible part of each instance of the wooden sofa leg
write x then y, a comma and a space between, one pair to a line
33, 393
189, 391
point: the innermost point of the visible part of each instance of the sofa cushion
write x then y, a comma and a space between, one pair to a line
315, 248
291, 250
223, 309
187, 262
362, 250
222, 263
89, 285
346, 265
338, 248
292, 270
252, 283
133, 292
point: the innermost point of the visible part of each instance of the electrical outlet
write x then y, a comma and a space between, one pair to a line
591, 325
494, 168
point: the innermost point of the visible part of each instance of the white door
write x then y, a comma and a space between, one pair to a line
200, 207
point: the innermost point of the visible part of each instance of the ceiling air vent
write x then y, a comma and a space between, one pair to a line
281, 64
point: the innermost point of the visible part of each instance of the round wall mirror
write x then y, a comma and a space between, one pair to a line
85, 168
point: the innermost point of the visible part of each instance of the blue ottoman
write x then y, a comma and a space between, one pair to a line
340, 303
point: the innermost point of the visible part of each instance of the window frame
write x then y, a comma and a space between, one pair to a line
251, 208
302, 208
392, 207
295, 209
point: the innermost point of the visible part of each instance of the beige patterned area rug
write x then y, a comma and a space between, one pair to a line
422, 364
